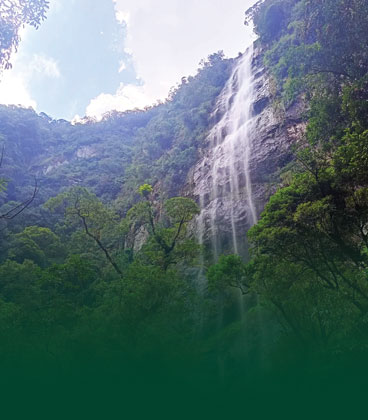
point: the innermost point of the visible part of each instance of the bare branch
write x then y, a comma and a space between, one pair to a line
15, 211
98, 242
2, 155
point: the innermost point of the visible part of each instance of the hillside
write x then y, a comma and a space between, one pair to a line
159, 143
212, 246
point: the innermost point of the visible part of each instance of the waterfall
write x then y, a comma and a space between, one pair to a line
230, 202
224, 184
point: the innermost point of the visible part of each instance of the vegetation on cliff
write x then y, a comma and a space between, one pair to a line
105, 266
310, 246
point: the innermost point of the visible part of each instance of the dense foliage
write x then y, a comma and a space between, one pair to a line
104, 262
310, 247
15, 14
105, 265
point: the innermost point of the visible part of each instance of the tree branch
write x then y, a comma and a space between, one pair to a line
99, 243
15, 211
173, 243
2, 155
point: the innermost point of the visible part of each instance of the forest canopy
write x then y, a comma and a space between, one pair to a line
105, 270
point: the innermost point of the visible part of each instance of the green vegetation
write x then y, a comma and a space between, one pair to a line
100, 271
310, 247
14, 14
104, 269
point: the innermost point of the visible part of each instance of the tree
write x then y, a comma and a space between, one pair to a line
229, 271
83, 208
305, 308
311, 41
69, 282
38, 244
269, 17
310, 247
15, 14
18, 282
167, 231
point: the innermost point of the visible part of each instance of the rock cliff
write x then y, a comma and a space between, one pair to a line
226, 216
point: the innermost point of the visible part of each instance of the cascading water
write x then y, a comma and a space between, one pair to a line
224, 183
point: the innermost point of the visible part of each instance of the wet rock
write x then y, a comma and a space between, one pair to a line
225, 216
260, 105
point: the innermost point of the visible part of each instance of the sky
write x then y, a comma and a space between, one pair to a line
93, 56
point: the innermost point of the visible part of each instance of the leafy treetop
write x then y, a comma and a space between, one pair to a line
15, 14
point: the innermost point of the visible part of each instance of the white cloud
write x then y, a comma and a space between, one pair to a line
44, 66
168, 38
13, 91
122, 16
13, 88
126, 97
14, 83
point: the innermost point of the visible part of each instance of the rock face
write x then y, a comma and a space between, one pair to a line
272, 138
243, 153
86, 152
